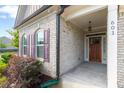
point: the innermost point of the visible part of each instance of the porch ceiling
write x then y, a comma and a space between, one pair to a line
98, 18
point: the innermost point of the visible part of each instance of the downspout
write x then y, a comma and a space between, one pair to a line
118, 11
58, 40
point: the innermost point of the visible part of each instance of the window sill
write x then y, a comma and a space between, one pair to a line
41, 59
24, 55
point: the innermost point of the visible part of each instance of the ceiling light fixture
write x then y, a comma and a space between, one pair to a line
90, 27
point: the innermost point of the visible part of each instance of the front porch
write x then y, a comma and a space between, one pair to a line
86, 59
86, 75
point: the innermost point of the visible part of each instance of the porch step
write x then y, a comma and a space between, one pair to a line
72, 84
68, 84
71, 81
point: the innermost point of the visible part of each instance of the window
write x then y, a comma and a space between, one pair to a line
39, 37
104, 50
24, 43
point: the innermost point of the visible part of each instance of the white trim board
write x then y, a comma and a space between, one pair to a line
112, 46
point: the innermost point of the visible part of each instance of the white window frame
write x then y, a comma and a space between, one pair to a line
36, 45
23, 45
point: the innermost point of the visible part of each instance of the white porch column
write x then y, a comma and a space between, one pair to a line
112, 46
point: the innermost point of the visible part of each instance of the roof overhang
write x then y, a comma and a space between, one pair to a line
45, 7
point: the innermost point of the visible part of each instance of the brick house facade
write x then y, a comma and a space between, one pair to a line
69, 41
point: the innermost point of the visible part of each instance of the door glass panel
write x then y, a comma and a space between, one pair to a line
87, 41
104, 50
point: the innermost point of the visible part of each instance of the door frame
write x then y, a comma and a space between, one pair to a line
86, 45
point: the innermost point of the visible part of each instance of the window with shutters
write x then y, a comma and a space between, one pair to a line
42, 43
24, 44
39, 43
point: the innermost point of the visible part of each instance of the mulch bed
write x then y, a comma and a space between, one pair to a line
41, 79
34, 84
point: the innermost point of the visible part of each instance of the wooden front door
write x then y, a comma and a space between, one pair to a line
95, 49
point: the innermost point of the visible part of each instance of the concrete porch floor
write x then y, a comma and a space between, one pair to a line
86, 75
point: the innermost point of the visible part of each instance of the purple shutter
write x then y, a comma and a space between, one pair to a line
46, 45
28, 45
33, 46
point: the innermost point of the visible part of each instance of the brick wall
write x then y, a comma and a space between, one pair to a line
46, 22
120, 52
71, 47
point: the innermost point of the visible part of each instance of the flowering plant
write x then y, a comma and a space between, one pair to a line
20, 70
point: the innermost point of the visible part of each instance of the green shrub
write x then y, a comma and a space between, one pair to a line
2, 60
30, 73
3, 66
3, 81
5, 57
